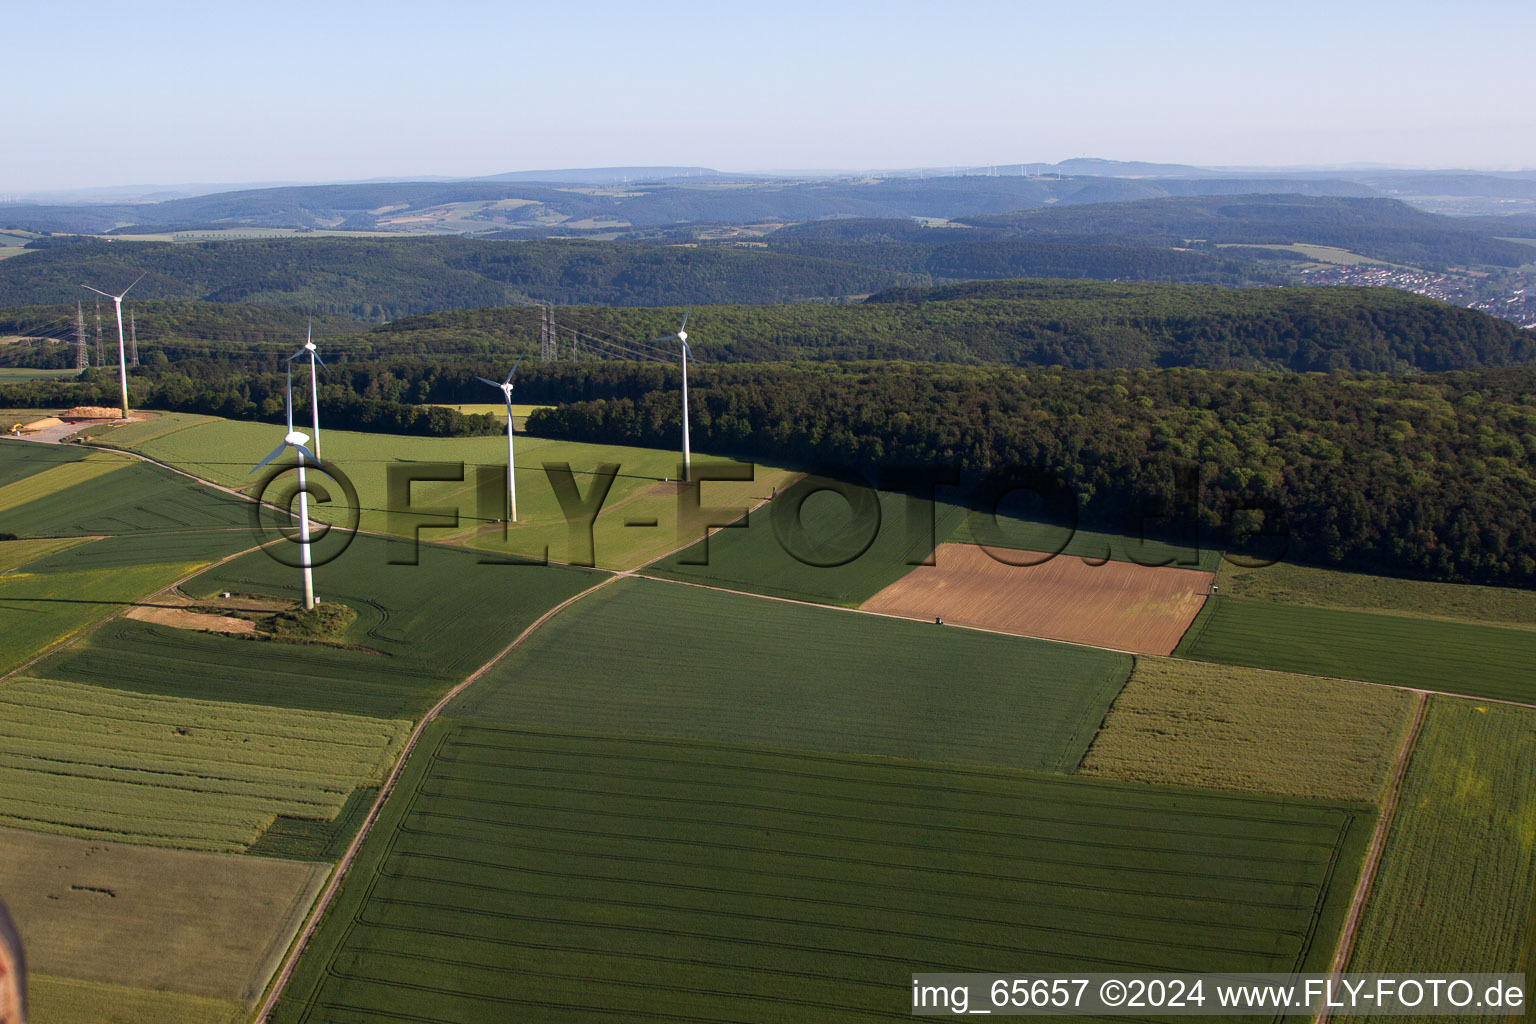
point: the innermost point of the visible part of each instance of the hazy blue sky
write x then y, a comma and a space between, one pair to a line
117, 93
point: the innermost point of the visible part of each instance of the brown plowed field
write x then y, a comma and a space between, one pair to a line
1118, 604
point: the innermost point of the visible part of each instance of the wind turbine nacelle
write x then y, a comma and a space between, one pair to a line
682, 336
296, 438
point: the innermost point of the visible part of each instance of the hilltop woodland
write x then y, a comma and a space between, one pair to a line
690, 251
1076, 324
1112, 386
1423, 475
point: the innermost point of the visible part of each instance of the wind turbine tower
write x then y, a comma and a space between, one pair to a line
681, 337
295, 440
505, 387
122, 365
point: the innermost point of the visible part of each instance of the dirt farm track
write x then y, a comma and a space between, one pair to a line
1118, 604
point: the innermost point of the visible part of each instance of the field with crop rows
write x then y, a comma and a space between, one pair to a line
1480, 661
194, 923
1181, 723
21, 459
136, 498
138, 549
1457, 880
109, 764
14, 553
642, 656
420, 628
1284, 583
57, 478
37, 610
532, 877
224, 451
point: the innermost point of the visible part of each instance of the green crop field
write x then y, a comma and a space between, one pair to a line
529, 877
800, 565
55, 1000
136, 549
196, 924
419, 629
56, 479
21, 459
151, 426
1220, 727
1456, 657
1458, 878
164, 771
1284, 583
639, 516
14, 553
642, 656
137, 498
441, 618
37, 611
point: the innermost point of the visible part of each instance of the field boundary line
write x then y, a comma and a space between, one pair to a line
869, 611
1372, 858
338, 874
92, 627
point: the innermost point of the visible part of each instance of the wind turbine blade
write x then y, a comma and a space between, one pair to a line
318, 358
513, 370
275, 453
306, 453
309, 331
664, 337
686, 311
98, 291
288, 398
296, 355
135, 281
490, 382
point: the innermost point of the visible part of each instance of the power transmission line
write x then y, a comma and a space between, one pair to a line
82, 354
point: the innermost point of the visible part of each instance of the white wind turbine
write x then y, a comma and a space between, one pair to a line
295, 440
122, 364
681, 337
314, 388
505, 387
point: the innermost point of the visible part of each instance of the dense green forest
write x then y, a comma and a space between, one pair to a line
963, 255
1084, 325
1426, 476
389, 278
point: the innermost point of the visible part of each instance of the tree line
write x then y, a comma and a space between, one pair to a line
1429, 476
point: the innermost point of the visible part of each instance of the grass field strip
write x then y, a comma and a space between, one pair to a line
1372, 858
323, 904
94, 763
